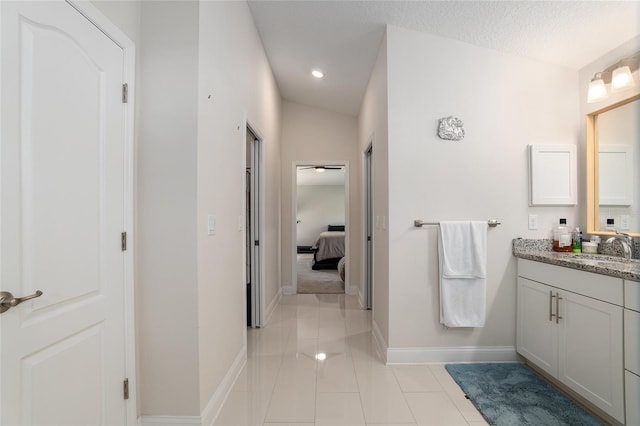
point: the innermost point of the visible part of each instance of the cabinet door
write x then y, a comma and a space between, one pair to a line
590, 350
632, 341
633, 398
537, 333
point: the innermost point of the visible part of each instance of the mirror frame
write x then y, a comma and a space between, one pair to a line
593, 201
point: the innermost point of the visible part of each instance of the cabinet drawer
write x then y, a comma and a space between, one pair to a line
597, 286
632, 396
632, 295
632, 341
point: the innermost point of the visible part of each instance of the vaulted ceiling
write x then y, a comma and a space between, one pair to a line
342, 37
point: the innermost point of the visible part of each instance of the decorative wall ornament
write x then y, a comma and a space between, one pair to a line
451, 128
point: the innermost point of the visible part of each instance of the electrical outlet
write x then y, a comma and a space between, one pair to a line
533, 222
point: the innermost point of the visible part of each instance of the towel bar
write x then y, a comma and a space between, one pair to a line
419, 224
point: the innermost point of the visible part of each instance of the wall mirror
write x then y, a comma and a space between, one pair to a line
613, 168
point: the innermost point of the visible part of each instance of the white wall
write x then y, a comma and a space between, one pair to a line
235, 72
190, 302
124, 14
166, 288
373, 127
506, 102
313, 134
317, 207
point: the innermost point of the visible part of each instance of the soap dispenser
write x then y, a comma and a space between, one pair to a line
562, 240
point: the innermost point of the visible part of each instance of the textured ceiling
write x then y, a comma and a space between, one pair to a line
342, 37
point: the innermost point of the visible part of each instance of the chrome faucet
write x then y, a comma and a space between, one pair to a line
625, 240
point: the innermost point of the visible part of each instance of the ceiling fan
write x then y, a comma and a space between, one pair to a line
321, 169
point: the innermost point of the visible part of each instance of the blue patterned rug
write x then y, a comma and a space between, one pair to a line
512, 394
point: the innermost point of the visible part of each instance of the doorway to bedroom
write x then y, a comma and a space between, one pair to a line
320, 208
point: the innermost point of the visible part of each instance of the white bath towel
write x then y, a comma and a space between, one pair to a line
462, 247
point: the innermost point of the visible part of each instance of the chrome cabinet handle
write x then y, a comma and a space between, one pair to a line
558, 299
7, 301
551, 297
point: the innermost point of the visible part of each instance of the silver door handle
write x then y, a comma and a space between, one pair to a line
551, 314
558, 317
7, 301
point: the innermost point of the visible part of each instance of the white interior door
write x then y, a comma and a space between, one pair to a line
62, 210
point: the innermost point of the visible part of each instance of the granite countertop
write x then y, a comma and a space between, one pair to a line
541, 251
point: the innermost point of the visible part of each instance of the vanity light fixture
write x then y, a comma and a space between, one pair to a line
597, 90
621, 79
320, 169
317, 73
618, 75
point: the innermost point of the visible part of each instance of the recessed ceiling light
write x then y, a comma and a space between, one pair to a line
317, 74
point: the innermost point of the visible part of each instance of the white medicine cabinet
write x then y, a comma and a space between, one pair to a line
553, 175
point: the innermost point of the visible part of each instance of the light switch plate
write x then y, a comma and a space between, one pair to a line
624, 222
533, 222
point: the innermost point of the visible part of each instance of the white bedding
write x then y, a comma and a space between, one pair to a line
330, 245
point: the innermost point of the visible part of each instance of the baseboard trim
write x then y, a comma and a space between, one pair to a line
214, 405
381, 344
169, 420
451, 355
272, 306
361, 298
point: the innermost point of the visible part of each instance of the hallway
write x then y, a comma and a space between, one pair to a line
288, 381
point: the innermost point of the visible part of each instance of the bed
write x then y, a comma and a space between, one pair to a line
342, 266
329, 248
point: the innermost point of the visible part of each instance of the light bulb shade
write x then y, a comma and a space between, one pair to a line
621, 79
597, 91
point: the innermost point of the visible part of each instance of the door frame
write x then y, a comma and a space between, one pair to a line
366, 298
97, 18
257, 292
294, 213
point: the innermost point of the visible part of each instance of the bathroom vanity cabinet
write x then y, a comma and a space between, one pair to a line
570, 325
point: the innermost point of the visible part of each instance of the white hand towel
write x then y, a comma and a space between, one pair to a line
462, 248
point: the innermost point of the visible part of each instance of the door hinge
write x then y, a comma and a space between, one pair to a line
125, 388
123, 241
125, 93
257, 242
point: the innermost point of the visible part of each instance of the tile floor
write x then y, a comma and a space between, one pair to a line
284, 384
